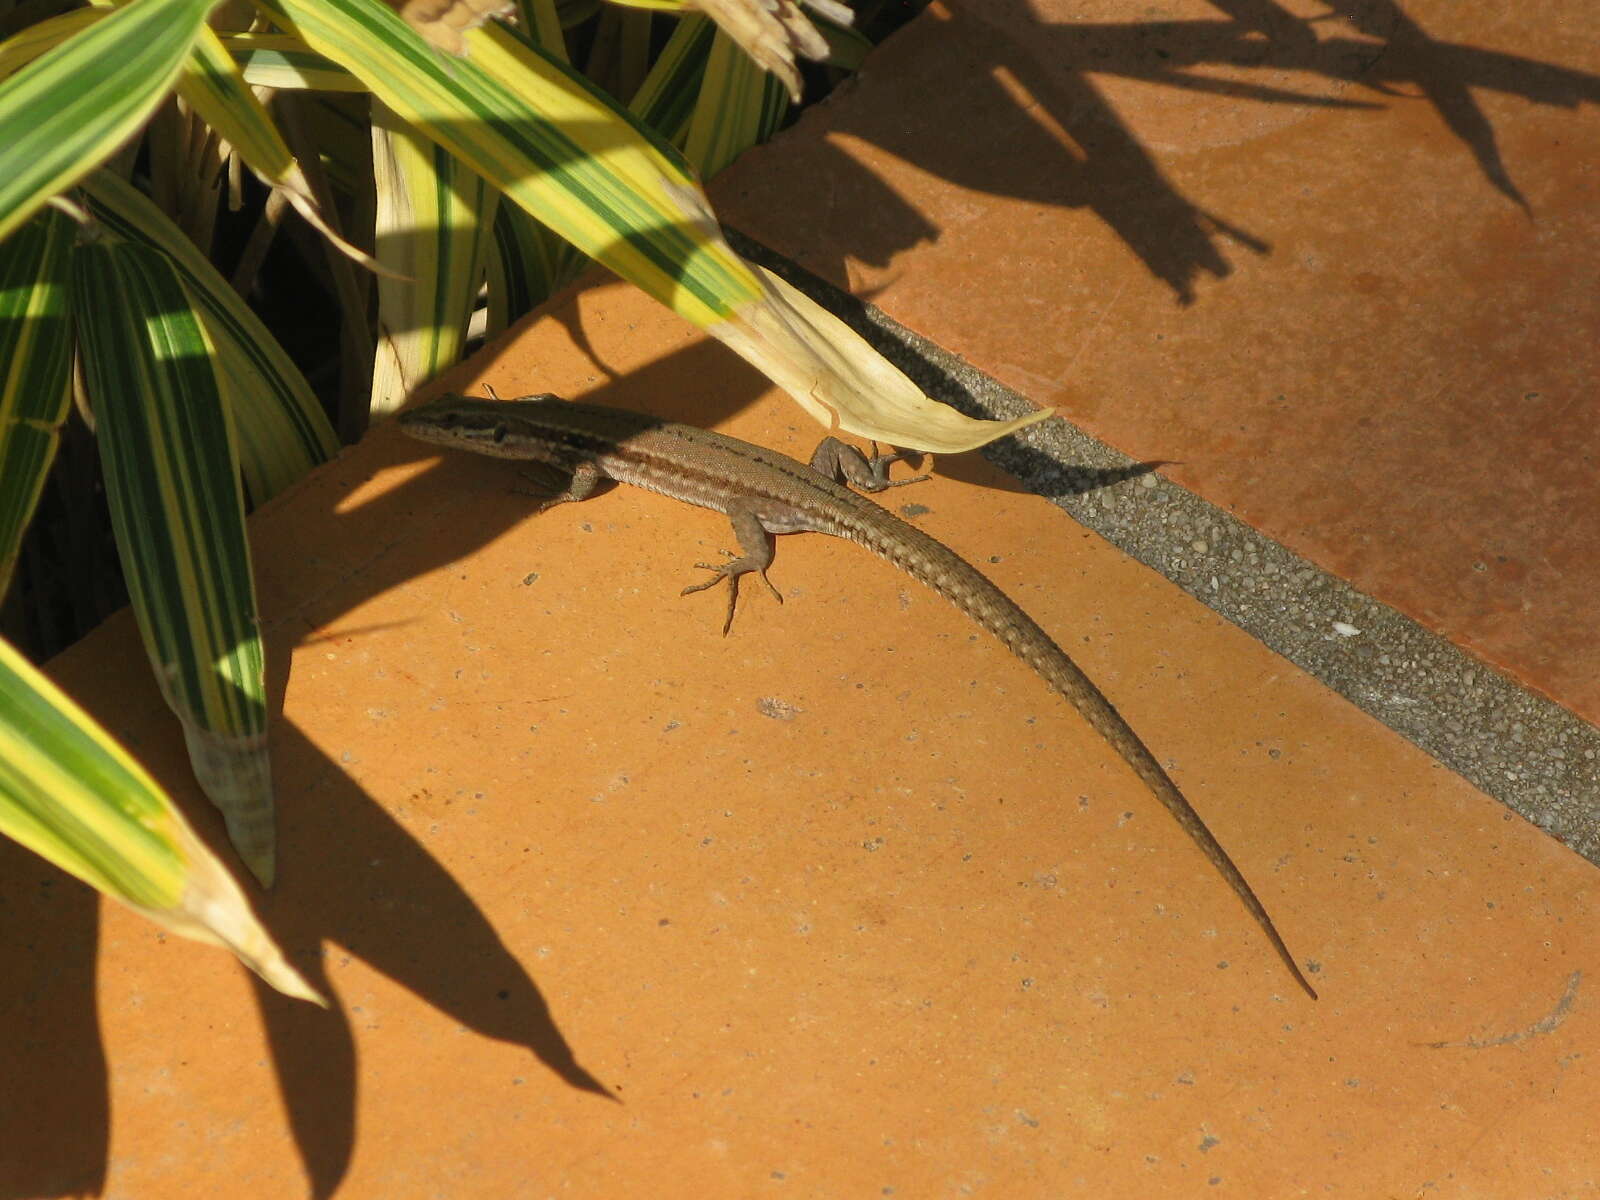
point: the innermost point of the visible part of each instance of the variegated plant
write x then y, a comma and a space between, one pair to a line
67, 790
481, 157
70, 793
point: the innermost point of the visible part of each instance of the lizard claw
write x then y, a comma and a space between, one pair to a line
719, 572
881, 463
731, 571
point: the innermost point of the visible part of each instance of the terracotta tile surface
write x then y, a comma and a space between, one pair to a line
1338, 259
845, 904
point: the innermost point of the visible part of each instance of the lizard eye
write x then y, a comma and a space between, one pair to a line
498, 434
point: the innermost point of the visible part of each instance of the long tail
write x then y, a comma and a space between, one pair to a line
959, 582
1109, 724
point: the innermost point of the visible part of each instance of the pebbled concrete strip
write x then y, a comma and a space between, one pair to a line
1524, 750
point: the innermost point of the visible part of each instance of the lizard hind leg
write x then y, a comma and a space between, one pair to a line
730, 571
844, 463
552, 485
757, 557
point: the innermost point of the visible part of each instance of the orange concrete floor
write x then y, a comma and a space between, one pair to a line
846, 904
1340, 264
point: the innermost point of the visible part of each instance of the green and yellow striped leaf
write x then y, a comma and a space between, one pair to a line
542, 20
528, 263
739, 106
276, 60
22, 48
281, 429
433, 220
172, 483
667, 6
67, 110
70, 793
572, 157
619, 54
665, 100
35, 354
546, 137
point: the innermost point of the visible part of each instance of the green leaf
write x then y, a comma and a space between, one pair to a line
575, 12
547, 138
542, 21
529, 263
569, 155
281, 429
739, 106
18, 51
432, 223
528, 266
172, 483
35, 353
278, 61
665, 100
66, 111
71, 794
847, 49
619, 54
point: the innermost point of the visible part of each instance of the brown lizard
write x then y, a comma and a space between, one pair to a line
576, 447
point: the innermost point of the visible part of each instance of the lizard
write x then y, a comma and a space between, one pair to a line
572, 449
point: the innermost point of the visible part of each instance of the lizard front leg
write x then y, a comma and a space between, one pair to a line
756, 543
843, 463
557, 485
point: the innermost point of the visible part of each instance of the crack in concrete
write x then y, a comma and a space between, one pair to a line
1539, 1028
